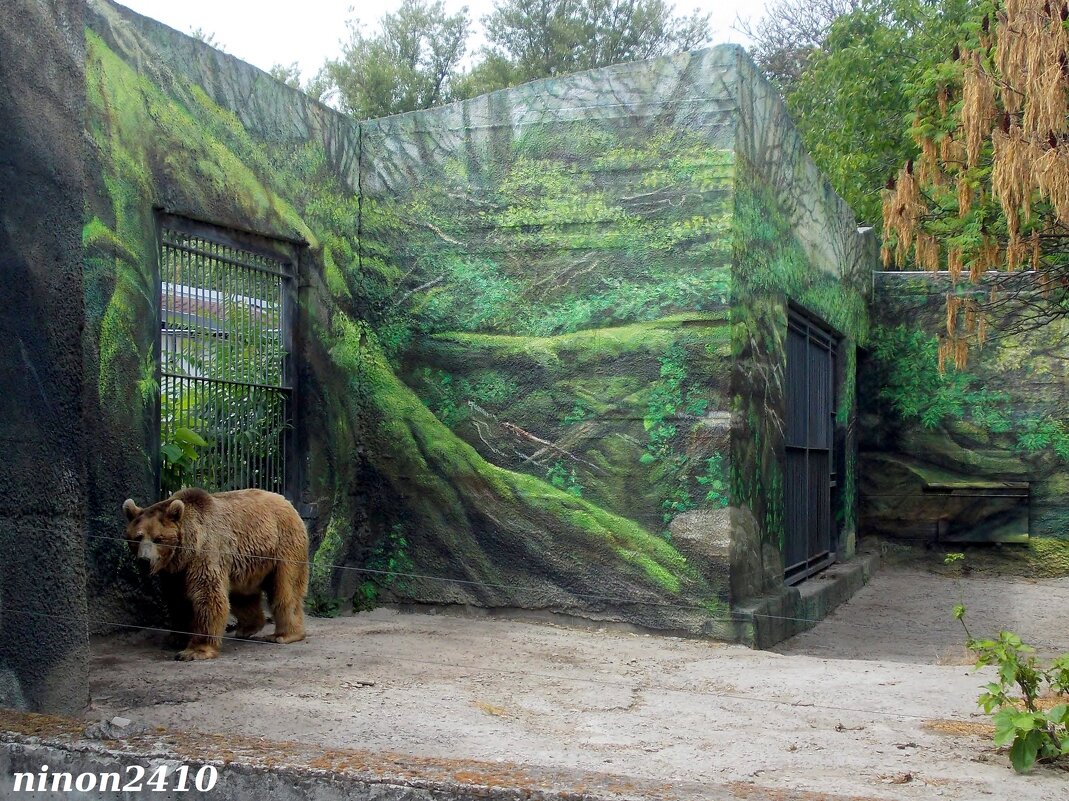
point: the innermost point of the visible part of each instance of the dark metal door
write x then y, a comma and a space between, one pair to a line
810, 469
226, 391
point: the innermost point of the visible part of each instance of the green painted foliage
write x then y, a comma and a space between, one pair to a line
910, 384
774, 268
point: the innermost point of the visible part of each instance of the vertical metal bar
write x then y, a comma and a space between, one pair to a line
179, 390
200, 367
269, 448
248, 467
278, 434
248, 402
181, 403
217, 359
232, 340
286, 288
236, 400
209, 346
165, 271
228, 345
179, 361
188, 397
265, 331
197, 363
283, 377
202, 364
267, 339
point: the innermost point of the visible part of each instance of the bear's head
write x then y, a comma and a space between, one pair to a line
155, 533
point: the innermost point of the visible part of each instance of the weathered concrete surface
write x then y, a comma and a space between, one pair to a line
771, 619
42, 485
904, 615
254, 769
845, 710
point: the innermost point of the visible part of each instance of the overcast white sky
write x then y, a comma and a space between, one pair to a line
266, 32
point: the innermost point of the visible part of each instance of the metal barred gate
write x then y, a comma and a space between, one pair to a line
811, 475
226, 325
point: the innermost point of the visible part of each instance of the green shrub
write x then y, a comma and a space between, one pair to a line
1032, 733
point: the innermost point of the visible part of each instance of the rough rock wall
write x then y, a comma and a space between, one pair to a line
999, 420
43, 642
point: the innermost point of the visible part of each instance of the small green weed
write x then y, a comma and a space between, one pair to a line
1033, 733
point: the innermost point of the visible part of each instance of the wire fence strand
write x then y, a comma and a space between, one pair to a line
497, 670
737, 618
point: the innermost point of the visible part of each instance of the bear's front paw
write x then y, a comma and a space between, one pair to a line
196, 654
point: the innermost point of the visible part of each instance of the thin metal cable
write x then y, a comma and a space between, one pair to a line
512, 671
735, 617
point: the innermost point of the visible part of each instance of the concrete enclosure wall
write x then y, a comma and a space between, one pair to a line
949, 456
538, 326
541, 333
43, 642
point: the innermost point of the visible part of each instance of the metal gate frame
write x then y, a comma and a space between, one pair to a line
283, 259
812, 441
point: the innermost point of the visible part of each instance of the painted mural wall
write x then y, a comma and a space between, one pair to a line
795, 240
998, 422
176, 125
565, 255
542, 355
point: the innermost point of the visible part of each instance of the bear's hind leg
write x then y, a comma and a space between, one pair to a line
287, 601
249, 611
211, 606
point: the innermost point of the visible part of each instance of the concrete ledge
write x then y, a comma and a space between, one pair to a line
772, 619
252, 768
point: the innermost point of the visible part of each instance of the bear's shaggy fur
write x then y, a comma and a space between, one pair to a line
227, 549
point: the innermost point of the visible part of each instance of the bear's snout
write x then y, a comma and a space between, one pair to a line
148, 551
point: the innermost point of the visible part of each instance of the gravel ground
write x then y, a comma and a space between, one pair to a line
851, 709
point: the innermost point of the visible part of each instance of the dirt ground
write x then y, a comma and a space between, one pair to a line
856, 708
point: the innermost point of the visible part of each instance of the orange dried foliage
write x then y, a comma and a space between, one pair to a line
978, 109
953, 304
955, 263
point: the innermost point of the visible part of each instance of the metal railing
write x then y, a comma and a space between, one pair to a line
225, 338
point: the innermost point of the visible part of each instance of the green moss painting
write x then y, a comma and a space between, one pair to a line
542, 353
996, 425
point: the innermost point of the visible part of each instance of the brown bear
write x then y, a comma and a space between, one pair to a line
227, 549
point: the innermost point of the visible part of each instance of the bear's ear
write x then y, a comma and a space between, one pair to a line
175, 510
130, 508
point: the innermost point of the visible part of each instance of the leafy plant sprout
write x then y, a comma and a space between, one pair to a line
1015, 701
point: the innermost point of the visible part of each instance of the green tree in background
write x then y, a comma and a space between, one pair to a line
407, 65
790, 33
854, 98
208, 37
988, 189
847, 69
530, 39
289, 74
415, 59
